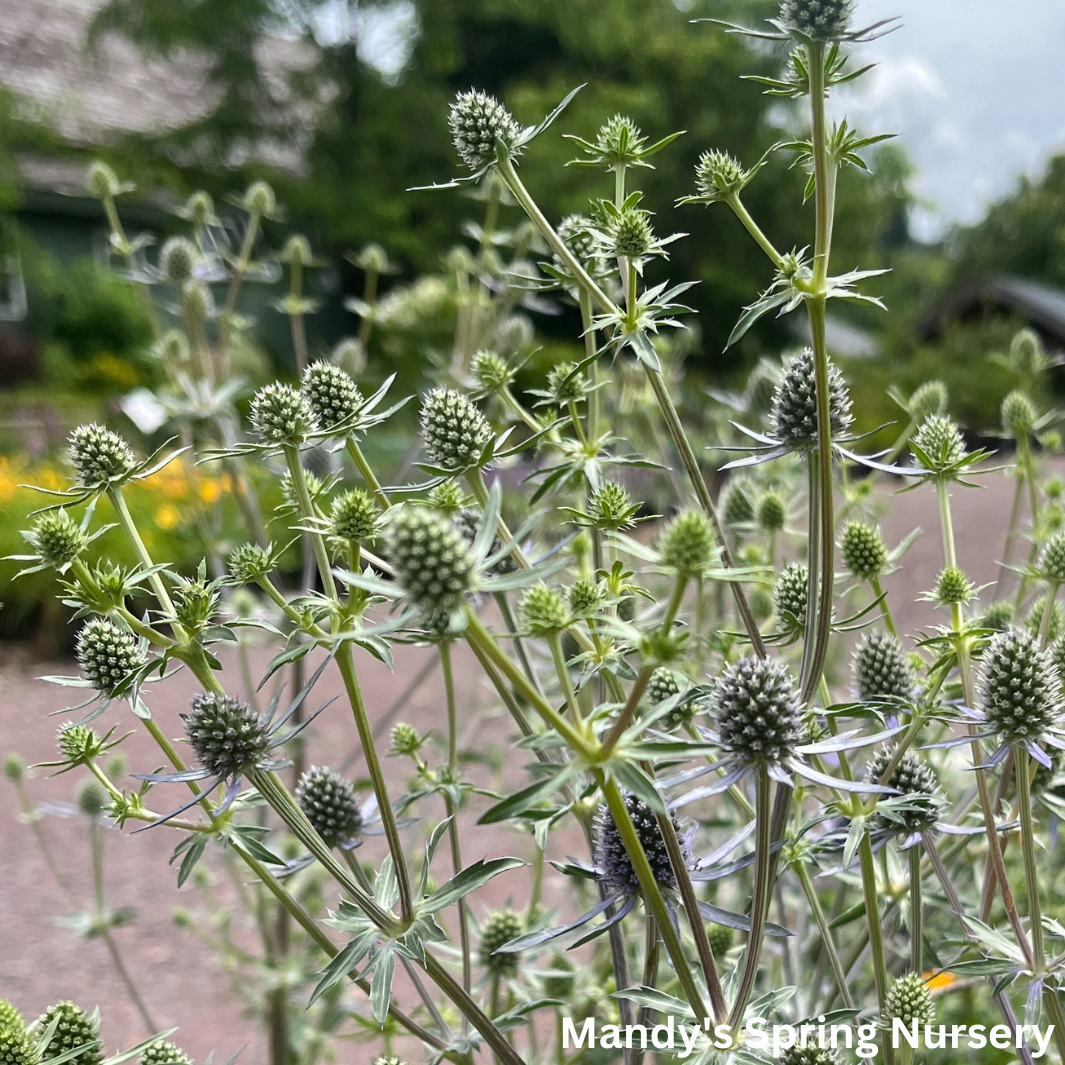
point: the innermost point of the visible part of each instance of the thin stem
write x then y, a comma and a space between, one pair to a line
1022, 766
307, 510
876, 934
650, 976
828, 944
367, 474
916, 912
752, 227
885, 610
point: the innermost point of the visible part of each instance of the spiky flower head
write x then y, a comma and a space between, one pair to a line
58, 538
720, 937
687, 543
998, 616
102, 181
199, 209
163, 1052
953, 586
585, 597
108, 655
10, 1018
354, 516
297, 251
99, 455
492, 372
908, 1000
92, 800
761, 387
566, 385
478, 121
331, 393
794, 414
500, 927
75, 1029
882, 669
17, 1048
195, 603
575, 231
915, 782
757, 711
941, 443
282, 415
664, 684
1034, 620
863, 549
78, 744
449, 498
718, 175
454, 430
772, 512
558, 980
405, 740
1051, 563
789, 596
1020, 686
330, 804
811, 1054
260, 199
611, 507
1018, 414
249, 563
178, 259
388, 1059
543, 610
630, 233
227, 736
612, 860
927, 400
431, 557
737, 506
820, 20
14, 768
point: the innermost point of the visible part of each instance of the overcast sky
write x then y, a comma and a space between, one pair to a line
975, 90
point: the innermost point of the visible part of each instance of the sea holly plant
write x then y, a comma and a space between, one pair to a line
774, 788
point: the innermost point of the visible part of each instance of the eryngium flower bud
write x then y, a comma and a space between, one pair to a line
882, 669
822, 20
543, 610
1055, 624
332, 394
1019, 685
10, 1018
102, 181
1051, 562
477, 122
107, 655
177, 260
794, 414
491, 371
297, 251
162, 1052
75, 1029
92, 800
999, 616
433, 562
757, 711
610, 506
354, 516
249, 563
405, 739
58, 538
260, 199
14, 768
718, 175
772, 512
199, 209
195, 604
565, 385
77, 743
631, 234
720, 937
908, 1000
687, 543
737, 507
500, 927
330, 804
612, 859
664, 684
454, 431
809, 1055
388, 1059
863, 550
789, 596
557, 981
226, 735
575, 231
927, 400
281, 415
1018, 414
17, 1048
913, 780
585, 597
953, 586
941, 441
98, 455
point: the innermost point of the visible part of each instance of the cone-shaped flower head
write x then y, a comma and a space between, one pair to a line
1019, 685
227, 736
388, 1059
998, 616
92, 800
431, 557
789, 596
794, 414
354, 516
404, 739
930, 398
863, 550
585, 597
721, 938
809, 1055
737, 507
687, 543
882, 669
491, 371
630, 233
332, 394
98, 455
565, 385
757, 711
17, 1048
543, 610
821, 20
940, 440
107, 655
102, 181
772, 512
575, 231
178, 258
1018, 414
260, 199
953, 586
908, 1000
1051, 564
75, 1029
664, 684
718, 175
613, 860
330, 804
454, 430
500, 927
78, 743
58, 538
915, 782
163, 1052
611, 507
281, 415
10, 1018
249, 563
477, 122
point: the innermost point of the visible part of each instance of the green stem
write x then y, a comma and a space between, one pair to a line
916, 914
752, 227
828, 944
885, 610
1022, 765
876, 935
367, 474
307, 510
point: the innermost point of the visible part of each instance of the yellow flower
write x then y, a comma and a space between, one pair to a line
167, 516
209, 490
933, 982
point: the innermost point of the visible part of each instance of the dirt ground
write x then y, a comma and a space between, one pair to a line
181, 983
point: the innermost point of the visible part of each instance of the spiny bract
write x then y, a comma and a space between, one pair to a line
757, 712
330, 804
794, 414
226, 735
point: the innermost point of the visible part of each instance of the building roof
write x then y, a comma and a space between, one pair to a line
1041, 305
